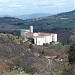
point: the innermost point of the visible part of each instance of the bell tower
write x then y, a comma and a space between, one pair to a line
31, 29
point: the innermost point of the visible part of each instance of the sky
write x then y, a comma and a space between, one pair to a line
21, 7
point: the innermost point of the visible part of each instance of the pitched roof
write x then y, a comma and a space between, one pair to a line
43, 34
38, 34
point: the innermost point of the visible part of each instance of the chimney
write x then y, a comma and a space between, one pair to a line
31, 29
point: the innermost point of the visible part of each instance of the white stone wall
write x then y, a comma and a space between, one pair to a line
48, 39
45, 39
54, 38
40, 41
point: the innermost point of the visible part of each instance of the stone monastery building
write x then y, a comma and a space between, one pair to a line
38, 38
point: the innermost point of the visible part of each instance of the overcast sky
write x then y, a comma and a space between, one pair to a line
21, 7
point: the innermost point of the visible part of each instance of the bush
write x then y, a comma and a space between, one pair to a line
65, 72
71, 53
46, 44
31, 46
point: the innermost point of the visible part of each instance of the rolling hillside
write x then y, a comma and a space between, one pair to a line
62, 20
61, 24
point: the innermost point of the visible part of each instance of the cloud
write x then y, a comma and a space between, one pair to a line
35, 6
14, 5
4, 1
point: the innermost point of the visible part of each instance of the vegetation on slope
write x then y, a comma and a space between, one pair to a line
16, 55
63, 20
22, 58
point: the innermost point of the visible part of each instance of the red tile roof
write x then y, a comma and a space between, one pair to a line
40, 34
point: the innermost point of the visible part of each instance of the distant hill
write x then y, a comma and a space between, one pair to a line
47, 23
70, 14
62, 20
32, 16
